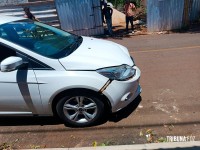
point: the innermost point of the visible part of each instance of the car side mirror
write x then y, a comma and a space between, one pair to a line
11, 63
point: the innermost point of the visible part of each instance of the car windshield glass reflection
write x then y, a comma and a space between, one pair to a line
40, 38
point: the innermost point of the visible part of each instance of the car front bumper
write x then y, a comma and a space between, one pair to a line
122, 93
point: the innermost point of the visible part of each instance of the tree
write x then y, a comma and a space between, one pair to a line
117, 3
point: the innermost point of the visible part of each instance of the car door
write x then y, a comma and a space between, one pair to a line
19, 93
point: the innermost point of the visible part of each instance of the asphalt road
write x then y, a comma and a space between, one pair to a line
170, 66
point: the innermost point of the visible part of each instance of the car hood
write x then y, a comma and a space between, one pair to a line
94, 53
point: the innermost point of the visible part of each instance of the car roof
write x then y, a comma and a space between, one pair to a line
6, 19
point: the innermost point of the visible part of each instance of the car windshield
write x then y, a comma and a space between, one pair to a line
40, 38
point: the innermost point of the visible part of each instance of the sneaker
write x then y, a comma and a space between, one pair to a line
130, 33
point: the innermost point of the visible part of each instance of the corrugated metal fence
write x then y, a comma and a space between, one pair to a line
82, 17
45, 11
170, 14
195, 10
164, 14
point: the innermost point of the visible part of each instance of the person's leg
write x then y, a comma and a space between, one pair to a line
111, 22
131, 20
109, 25
127, 22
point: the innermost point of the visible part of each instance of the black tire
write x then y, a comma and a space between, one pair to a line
79, 114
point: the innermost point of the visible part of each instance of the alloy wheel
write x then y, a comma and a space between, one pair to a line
80, 109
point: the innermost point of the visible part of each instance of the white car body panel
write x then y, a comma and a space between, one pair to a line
19, 92
6, 19
52, 83
118, 91
94, 54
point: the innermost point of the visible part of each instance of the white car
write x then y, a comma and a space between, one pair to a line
45, 71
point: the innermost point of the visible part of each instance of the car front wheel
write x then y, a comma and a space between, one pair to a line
80, 110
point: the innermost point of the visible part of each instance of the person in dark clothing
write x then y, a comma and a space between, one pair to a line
29, 15
107, 13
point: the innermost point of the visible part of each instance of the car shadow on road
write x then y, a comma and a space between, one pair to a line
193, 28
125, 112
29, 121
36, 120
180, 148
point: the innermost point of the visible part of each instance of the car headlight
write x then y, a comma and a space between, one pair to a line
120, 73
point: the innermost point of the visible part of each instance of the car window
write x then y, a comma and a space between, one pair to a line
3, 34
40, 38
6, 52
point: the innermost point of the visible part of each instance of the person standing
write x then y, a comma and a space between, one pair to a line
107, 13
130, 10
29, 15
